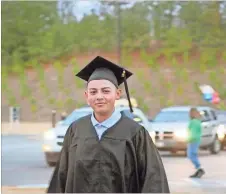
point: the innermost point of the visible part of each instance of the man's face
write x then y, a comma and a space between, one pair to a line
101, 96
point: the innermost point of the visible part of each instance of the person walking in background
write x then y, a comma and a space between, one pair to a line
194, 134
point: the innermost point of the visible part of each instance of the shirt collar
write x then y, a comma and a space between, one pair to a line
108, 122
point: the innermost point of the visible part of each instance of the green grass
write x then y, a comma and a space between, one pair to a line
79, 83
126, 59
51, 101
34, 106
41, 78
148, 86
180, 90
24, 88
181, 75
162, 100
69, 102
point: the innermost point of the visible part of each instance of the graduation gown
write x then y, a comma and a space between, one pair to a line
125, 160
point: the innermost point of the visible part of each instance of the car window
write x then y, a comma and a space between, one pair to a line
75, 115
172, 116
214, 116
205, 116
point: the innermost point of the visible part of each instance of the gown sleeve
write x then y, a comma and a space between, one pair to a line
59, 176
152, 176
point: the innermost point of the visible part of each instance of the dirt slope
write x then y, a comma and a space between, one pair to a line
167, 86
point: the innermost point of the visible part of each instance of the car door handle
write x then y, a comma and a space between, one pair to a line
206, 126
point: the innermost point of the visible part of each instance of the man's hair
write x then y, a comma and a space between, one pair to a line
194, 113
107, 80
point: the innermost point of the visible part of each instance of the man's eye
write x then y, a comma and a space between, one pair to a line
92, 92
106, 91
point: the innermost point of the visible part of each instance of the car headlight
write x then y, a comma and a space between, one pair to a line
137, 120
181, 134
152, 134
221, 132
49, 135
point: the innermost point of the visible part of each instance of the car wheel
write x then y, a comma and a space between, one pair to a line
215, 147
51, 164
173, 151
49, 160
222, 146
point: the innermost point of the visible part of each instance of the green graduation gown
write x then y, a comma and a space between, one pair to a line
125, 160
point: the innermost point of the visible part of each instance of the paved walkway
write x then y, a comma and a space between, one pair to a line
24, 128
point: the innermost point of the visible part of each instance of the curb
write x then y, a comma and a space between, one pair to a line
28, 136
30, 186
35, 186
22, 190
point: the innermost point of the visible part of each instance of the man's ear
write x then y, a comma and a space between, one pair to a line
118, 93
86, 96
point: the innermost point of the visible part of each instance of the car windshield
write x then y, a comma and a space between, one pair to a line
172, 116
75, 115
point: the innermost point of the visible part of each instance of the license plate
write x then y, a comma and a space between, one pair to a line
159, 144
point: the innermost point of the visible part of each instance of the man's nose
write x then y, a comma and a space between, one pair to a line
99, 95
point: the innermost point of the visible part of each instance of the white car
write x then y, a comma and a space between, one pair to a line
53, 138
171, 127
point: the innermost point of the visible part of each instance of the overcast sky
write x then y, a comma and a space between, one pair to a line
86, 6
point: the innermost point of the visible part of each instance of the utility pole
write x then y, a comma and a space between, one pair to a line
119, 31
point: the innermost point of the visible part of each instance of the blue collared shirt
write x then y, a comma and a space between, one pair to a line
102, 127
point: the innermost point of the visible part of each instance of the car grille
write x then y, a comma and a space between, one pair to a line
164, 135
60, 143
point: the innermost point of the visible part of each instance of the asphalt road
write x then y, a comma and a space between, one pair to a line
23, 165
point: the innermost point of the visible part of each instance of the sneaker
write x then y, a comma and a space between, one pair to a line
194, 175
200, 173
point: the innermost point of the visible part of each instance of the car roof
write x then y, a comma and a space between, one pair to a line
185, 108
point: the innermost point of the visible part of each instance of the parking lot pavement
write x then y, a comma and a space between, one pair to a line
22, 155
179, 168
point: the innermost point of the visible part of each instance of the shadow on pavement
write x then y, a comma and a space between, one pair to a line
182, 154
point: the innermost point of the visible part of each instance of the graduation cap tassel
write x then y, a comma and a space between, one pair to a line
127, 90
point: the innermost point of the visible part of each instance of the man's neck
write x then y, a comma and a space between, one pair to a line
102, 117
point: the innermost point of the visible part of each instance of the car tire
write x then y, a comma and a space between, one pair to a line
215, 147
51, 164
222, 146
185, 154
49, 160
173, 151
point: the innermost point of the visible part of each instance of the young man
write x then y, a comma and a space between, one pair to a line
107, 152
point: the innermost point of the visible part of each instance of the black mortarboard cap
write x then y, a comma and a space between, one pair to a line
100, 68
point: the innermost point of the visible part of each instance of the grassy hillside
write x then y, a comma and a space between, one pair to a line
157, 82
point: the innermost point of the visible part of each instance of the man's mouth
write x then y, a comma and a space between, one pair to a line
100, 104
